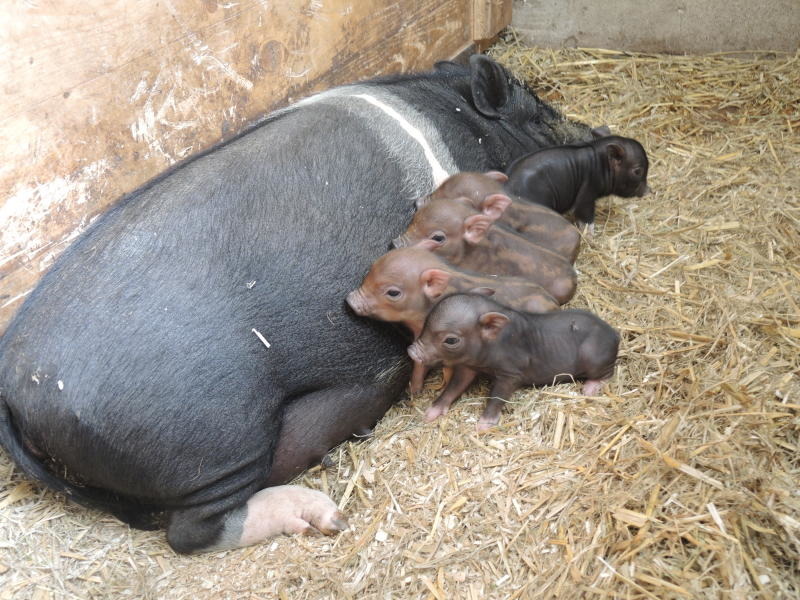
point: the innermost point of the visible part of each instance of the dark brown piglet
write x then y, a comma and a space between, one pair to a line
464, 237
536, 223
403, 285
573, 177
474, 334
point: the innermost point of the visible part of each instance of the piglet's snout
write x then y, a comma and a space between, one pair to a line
644, 189
358, 303
416, 352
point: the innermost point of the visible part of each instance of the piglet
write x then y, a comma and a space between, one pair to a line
573, 177
464, 237
474, 334
536, 223
404, 284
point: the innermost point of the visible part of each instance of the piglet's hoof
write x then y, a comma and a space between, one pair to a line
435, 411
485, 424
592, 387
587, 229
290, 509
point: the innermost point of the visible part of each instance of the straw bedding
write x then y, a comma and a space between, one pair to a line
681, 481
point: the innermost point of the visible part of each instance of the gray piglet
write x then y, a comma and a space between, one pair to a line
478, 335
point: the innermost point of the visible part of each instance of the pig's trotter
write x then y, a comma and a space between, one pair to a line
457, 385
586, 228
284, 509
491, 414
288, 509
592, 387
436, 410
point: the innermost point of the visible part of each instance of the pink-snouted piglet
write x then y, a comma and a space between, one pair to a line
536, 223
404, 284
464, 237
474, 334
573, 177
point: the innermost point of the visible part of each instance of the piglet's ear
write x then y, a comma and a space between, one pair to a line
601, 132
492, 324
497, 176
426, 244
483, 291
475, 228
495, 205
616, 153
434, 282
489, 85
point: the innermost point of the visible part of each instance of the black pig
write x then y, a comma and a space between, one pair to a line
575, 176
196, 334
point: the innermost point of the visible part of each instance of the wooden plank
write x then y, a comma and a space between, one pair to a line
99, 97
489, 17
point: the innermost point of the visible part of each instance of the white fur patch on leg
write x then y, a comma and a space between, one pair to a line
288, 509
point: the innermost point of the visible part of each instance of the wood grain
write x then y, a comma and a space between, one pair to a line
101, 96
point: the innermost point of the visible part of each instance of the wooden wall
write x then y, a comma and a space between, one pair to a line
97, 97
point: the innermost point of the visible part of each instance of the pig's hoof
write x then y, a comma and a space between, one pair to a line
592, 387
290, 509
434, 412
414, 388
486, 424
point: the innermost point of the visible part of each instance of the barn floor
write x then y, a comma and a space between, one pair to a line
682, 481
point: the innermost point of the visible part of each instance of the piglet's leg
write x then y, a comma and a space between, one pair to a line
592, 387
447, 375
501, 391
462, 377
418, 374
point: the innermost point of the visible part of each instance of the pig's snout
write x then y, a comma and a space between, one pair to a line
643, 190
401, 241
358, 303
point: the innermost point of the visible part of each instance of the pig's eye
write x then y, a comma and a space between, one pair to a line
393, 292
450, 340
438, 237
638, 171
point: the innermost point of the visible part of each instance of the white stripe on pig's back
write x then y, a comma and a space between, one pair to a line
408, 137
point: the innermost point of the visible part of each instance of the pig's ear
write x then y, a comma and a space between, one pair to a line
426, 244
495, 205
497, 176
489, 85
434, 282
448, 66
483, 291
475, 228
616, 153
492, 324
601, 132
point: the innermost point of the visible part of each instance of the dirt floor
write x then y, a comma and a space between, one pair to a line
681, 481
